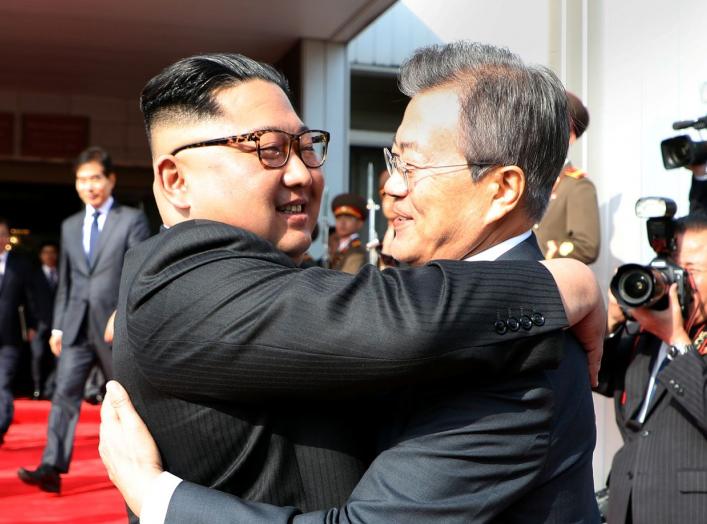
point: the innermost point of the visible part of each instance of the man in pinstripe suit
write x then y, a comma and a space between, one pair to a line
495, 448
657, 374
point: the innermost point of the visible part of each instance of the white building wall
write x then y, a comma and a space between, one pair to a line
325, 105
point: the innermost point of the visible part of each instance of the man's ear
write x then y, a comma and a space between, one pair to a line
507, 187
170, 182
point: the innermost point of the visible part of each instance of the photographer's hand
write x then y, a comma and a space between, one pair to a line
615, 315
668, 325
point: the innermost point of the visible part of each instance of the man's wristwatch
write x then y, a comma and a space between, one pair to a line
679, 349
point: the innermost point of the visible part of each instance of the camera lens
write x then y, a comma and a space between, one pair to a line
636, 287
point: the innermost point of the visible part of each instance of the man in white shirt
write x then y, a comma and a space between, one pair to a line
93, 244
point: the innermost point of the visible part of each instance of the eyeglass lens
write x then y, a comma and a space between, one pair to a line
274, 148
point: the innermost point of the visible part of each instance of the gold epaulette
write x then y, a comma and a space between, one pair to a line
577, 174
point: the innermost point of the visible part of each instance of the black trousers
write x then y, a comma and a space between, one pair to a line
9, 359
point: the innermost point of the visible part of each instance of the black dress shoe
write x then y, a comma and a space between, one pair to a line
45, 476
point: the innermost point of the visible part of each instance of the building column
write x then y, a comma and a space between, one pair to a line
325, 89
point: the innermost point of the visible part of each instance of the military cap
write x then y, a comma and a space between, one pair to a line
349, 204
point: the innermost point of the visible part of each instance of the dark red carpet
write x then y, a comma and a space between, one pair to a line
87, 496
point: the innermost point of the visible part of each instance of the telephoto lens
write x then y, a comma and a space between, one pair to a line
639, 286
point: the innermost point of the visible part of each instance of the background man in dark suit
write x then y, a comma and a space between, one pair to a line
657, 374
46, 280
15, 291
435, 470
93, 244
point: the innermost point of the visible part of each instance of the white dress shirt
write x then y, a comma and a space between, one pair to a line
88, 221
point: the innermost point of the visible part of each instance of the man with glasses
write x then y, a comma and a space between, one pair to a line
255, 376
93, 244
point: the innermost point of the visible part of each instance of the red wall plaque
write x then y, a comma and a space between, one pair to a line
54, 136
7, 133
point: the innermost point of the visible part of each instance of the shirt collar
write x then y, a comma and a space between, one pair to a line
103, 210
496, 251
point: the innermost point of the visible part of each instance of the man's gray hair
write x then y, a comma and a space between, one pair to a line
512, 113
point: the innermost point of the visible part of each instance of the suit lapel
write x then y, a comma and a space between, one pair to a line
75, 242
108, 228
638, 375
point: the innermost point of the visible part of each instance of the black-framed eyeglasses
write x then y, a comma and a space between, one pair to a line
274, 146
396, 166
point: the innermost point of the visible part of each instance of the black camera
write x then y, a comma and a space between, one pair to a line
634, 285
682, 151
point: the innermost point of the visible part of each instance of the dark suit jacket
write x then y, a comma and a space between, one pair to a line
698, 196
94, 289
219, 338
15, 291
662, 466
44, 294
504, 449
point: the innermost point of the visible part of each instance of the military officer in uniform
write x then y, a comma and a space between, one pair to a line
350, 214
570, 227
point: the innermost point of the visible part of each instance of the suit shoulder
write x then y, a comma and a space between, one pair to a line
73, 219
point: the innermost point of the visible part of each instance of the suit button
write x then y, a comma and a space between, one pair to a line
645, 433
513, 324
681, 392
538, 319
672, 381
525, 322
500, 327
630, 475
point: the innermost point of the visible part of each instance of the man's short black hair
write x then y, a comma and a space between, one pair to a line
95, 154
48, 243
186, 89
692, 222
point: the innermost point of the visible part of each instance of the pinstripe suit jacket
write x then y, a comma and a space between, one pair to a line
492, 449
662, 466
215, 328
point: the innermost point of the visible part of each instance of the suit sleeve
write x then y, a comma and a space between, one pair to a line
685, 380
63, 284
211, 327
582, 228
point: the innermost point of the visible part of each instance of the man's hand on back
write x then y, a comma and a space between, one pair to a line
127, 449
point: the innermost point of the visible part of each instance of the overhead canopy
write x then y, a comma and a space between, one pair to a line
111, 48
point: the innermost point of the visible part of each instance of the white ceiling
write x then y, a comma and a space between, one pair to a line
112, 48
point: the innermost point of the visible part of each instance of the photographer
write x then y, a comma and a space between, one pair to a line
698, 189
655, 369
